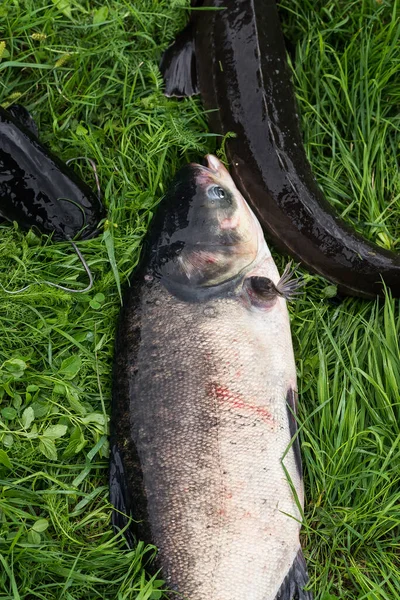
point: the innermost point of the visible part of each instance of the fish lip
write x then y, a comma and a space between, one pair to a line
212, 165
200, 167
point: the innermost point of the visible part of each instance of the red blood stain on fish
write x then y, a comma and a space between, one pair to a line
227, 397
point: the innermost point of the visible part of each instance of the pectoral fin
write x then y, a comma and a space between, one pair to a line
266, 290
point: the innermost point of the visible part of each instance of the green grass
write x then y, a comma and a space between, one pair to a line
88, 73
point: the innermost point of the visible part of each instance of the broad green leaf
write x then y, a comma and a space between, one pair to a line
48, 448
28, 416
17, 401
33, 433
81, 130
32, 388
70, 366
4, 460
32, 239
8, 440
330, 291
59, 388
40, 525
9, 413
40, 409
94, 304
15, 366
100, 15
97, 418
75, 404
55, 431
34, 537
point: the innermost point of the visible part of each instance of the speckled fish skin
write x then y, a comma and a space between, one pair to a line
203, 372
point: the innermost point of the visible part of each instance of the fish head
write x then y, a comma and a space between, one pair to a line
206, 233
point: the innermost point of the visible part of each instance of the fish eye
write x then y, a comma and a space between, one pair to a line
215, 192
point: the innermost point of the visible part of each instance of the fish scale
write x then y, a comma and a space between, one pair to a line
204, 381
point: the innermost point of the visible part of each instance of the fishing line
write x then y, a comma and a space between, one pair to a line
56, 285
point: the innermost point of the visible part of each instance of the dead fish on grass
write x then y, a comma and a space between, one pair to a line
204, 401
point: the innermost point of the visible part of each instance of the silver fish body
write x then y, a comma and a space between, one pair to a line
205, 400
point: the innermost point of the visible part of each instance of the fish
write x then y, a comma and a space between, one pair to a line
37, 189
235, 57
204, 449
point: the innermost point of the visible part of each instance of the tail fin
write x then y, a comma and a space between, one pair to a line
295, 581
118, 498
127, 495
178, 65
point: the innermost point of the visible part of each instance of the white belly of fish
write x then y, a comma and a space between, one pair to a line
258, 528
223, 512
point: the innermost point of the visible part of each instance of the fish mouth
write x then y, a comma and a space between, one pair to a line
213, 166
212, 163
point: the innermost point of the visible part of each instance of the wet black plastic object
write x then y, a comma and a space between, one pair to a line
236, 57
37, 188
